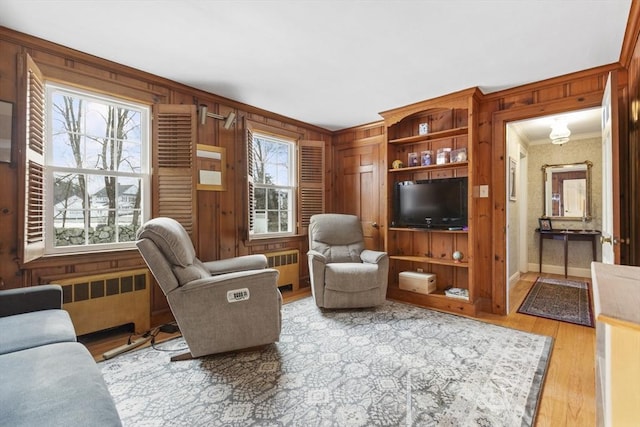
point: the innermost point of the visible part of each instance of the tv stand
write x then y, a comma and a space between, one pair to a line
429, 248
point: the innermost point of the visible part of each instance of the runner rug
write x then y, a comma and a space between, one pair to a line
559, 299
393, 365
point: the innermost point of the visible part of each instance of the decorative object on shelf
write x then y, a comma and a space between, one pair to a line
457, 256
443, 156
459, 293
459, 155
545, 224
426, 157
512, 179
397, 164
413, 159
423, 128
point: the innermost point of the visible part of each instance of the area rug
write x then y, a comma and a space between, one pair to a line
559, 299
394, 365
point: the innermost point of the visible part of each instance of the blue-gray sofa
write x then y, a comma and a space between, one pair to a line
47, 378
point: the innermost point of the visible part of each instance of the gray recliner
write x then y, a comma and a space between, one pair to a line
343, 273
220, 305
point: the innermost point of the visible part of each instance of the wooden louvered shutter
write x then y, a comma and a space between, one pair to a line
311, 159
174, 159
31, 159
250, 185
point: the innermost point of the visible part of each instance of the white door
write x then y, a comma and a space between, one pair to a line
610, 185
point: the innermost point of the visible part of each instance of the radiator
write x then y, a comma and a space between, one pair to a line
286, 262
108, 300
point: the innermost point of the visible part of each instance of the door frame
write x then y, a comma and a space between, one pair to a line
499, 120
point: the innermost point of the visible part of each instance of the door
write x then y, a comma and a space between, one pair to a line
358, 190
610, 168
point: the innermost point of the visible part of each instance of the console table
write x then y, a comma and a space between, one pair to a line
566, 236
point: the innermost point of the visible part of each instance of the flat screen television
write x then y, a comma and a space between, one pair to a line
433, 203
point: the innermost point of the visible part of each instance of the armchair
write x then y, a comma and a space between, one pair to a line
343, 273
219, 306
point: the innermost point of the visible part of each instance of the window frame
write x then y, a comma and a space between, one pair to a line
49, 170
292, 188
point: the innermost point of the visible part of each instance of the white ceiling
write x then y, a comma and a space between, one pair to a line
335, 63
583, 124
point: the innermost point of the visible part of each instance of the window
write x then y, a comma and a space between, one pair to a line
96, 171
274, 185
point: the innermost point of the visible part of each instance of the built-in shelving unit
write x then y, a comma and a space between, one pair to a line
452, 124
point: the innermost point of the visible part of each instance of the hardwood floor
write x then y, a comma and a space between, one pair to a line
568, 396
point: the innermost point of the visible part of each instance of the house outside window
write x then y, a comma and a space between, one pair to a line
96, 171
274, 185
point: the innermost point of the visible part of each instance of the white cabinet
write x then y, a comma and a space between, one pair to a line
616, 294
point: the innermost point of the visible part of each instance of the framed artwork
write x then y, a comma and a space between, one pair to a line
6, 131
512, 179
545, 224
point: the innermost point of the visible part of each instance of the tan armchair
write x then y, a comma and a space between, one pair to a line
343, 273
220, 305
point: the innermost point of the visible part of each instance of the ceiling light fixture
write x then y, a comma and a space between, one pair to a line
559, 132
228, 121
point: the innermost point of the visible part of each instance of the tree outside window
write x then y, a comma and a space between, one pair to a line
274, 182
96, 160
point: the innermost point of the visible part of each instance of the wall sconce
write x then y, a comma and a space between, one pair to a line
228, 121
559, 132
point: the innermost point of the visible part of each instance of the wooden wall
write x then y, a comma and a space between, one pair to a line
221, 226
630, 58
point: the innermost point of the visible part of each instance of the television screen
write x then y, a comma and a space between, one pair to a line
437, 203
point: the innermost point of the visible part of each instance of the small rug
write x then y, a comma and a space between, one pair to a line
394, 365
559, 299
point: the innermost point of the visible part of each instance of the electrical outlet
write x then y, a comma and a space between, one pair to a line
419, 270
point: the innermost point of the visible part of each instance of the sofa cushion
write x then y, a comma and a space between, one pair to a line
54, 385
34, 329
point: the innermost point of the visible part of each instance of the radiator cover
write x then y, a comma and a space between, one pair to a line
103, 301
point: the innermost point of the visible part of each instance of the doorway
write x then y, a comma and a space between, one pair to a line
529, 147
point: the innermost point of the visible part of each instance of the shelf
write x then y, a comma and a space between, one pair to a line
432, 136
430, 260
430, 167
427, 230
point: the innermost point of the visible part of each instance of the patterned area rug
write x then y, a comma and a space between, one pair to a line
559, 299
389, 366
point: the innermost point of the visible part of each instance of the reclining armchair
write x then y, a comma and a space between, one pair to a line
219, 306
343, 273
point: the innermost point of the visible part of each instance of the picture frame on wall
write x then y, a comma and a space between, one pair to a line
545, 224
6, 131
512, 179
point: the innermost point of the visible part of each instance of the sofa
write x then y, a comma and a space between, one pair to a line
47, 378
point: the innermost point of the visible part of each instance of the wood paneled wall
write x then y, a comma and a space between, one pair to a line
630, 58
221, 216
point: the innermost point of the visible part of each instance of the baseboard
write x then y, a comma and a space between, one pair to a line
559, 269
514, 279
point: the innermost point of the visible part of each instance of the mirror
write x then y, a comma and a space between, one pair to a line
567, 191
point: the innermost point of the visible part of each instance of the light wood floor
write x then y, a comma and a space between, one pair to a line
568, 396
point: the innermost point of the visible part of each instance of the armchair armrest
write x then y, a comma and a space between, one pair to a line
372, 257
241, 263
316, 256
33, 298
